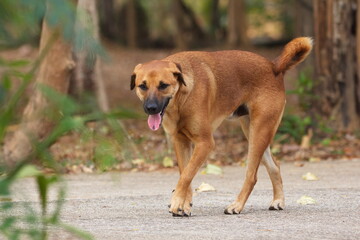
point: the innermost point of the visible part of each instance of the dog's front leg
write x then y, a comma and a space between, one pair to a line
179, 206
182, 147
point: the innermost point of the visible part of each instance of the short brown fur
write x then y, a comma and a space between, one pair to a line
207, 87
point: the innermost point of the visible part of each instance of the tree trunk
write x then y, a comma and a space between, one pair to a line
337, 62
188, 30
88, 71
215, 19
108, 19
237, 24
54, 72
304, 18
304, 26
131, 24
180, 36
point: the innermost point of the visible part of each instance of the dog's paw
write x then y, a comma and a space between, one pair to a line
180, 206
234, 208
277, 204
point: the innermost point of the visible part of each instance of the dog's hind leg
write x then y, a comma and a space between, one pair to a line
272, 167
262, 127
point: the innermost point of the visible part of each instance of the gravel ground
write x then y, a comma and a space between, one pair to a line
133, 205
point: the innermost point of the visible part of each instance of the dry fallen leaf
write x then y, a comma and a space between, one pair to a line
138, 161
314, 159
5, 199
298, 164
306, 200
243, 163
212, 169
167, 162
152, 167
276, 148
310, 177
306, 140
87, 169
205, 187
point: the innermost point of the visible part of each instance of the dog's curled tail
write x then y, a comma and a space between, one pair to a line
294, 52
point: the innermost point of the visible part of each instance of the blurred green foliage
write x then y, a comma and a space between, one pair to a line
11, 70
17, 26
295, 125
304, 90
20, 22
12, 225
63, 111
32, 225
67, 115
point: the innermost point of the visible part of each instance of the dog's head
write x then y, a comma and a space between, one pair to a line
156, 82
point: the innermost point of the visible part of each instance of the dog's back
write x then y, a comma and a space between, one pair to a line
239, 75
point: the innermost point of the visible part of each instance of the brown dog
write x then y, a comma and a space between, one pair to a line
191, 93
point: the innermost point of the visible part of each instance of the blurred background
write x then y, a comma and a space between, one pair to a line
322, 118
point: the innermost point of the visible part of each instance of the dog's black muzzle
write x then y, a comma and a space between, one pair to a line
154, 106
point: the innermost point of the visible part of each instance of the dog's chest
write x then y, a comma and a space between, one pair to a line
170, 123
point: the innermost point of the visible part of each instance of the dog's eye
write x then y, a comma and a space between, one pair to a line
163, 86
143, 87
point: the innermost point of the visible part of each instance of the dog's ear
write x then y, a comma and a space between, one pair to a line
178, 74
132, 82
133, 77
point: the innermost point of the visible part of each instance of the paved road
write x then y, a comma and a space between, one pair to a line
134, 205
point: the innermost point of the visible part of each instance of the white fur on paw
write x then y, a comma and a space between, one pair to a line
277, 204
234, 208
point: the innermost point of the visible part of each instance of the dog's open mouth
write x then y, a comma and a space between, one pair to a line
155, 120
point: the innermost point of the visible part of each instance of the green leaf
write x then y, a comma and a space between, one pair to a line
43, 187
55, 217
4, 187
6, 81
28, 171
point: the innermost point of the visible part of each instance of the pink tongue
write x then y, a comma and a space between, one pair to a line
154, 121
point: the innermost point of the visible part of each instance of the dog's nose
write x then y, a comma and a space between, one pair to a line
151, 108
